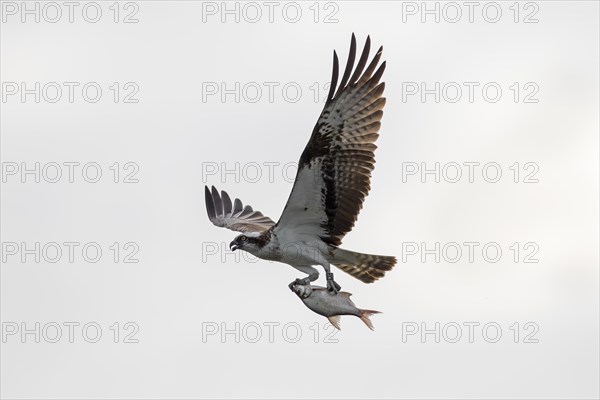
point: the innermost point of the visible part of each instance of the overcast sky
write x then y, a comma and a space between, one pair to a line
485, 188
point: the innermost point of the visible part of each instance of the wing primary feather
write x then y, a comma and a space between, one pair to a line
349, 66
364, 57
247, 211
226, 203
210, 205
334, 77
217, 201
237, 206
367, 75
375, 79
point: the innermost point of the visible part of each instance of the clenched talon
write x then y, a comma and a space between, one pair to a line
333, 286
298, 281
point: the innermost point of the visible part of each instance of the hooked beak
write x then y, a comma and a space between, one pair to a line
233, 246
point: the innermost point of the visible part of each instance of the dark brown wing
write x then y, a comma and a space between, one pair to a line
334, 170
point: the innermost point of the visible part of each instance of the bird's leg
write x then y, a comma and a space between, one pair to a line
332, 285
304, 281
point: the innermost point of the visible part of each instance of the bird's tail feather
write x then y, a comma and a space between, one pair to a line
365, 267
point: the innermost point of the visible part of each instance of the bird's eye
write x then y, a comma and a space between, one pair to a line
243, 238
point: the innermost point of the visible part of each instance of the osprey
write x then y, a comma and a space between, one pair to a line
332, 181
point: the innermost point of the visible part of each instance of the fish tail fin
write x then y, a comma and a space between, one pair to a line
335, 321
365, 267
364, 316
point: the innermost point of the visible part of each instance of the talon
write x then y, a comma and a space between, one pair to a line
298, 281
333, 286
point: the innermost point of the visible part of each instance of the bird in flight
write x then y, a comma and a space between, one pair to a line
331, 184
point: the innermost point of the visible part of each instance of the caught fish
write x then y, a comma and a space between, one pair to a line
327, 304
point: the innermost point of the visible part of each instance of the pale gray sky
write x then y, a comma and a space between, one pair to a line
187, 100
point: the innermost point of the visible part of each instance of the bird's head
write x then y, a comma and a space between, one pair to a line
248, 241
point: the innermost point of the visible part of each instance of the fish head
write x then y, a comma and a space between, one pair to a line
303, 291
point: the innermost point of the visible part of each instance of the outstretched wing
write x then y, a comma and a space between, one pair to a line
334, 170
236, 217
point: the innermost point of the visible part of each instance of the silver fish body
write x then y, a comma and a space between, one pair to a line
323, 302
